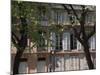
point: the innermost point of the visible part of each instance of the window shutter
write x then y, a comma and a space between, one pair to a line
66, 41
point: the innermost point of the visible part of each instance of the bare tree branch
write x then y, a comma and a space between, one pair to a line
14, 42
84, 9
68, 11
15, 36
77, 35
75, 13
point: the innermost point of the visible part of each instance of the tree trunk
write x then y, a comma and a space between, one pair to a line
88, 56
17, 61
22, 45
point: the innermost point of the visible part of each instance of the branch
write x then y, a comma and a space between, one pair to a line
84, 9
75, 13
68, 11
77, 35
14, 42
15, 36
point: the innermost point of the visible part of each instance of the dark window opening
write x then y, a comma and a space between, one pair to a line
73, 42
23, 59
41, 59
58, 42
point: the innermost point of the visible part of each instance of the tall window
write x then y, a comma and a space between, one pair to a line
90, 18
92, 42
66, 40
53, 41
73, 42
79, 45
41, 40
43, 16
41, 65
23, 66
58, 42
60, 17
57, 17
59, 63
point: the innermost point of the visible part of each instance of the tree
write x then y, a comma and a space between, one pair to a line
24, 26
80, 32
26, 19
20, 43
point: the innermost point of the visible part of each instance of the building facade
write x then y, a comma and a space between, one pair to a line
64, 52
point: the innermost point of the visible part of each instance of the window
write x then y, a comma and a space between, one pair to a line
23, 67
41, 40
41, 44
58, 42
53, 41
71, 62
67, 63
41, 63
75, 62
44, 20
59, 63
59, 17
83, 63
66, 41
65, 18
73, 42
79, 46
92, 42
43, 16
90, 18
